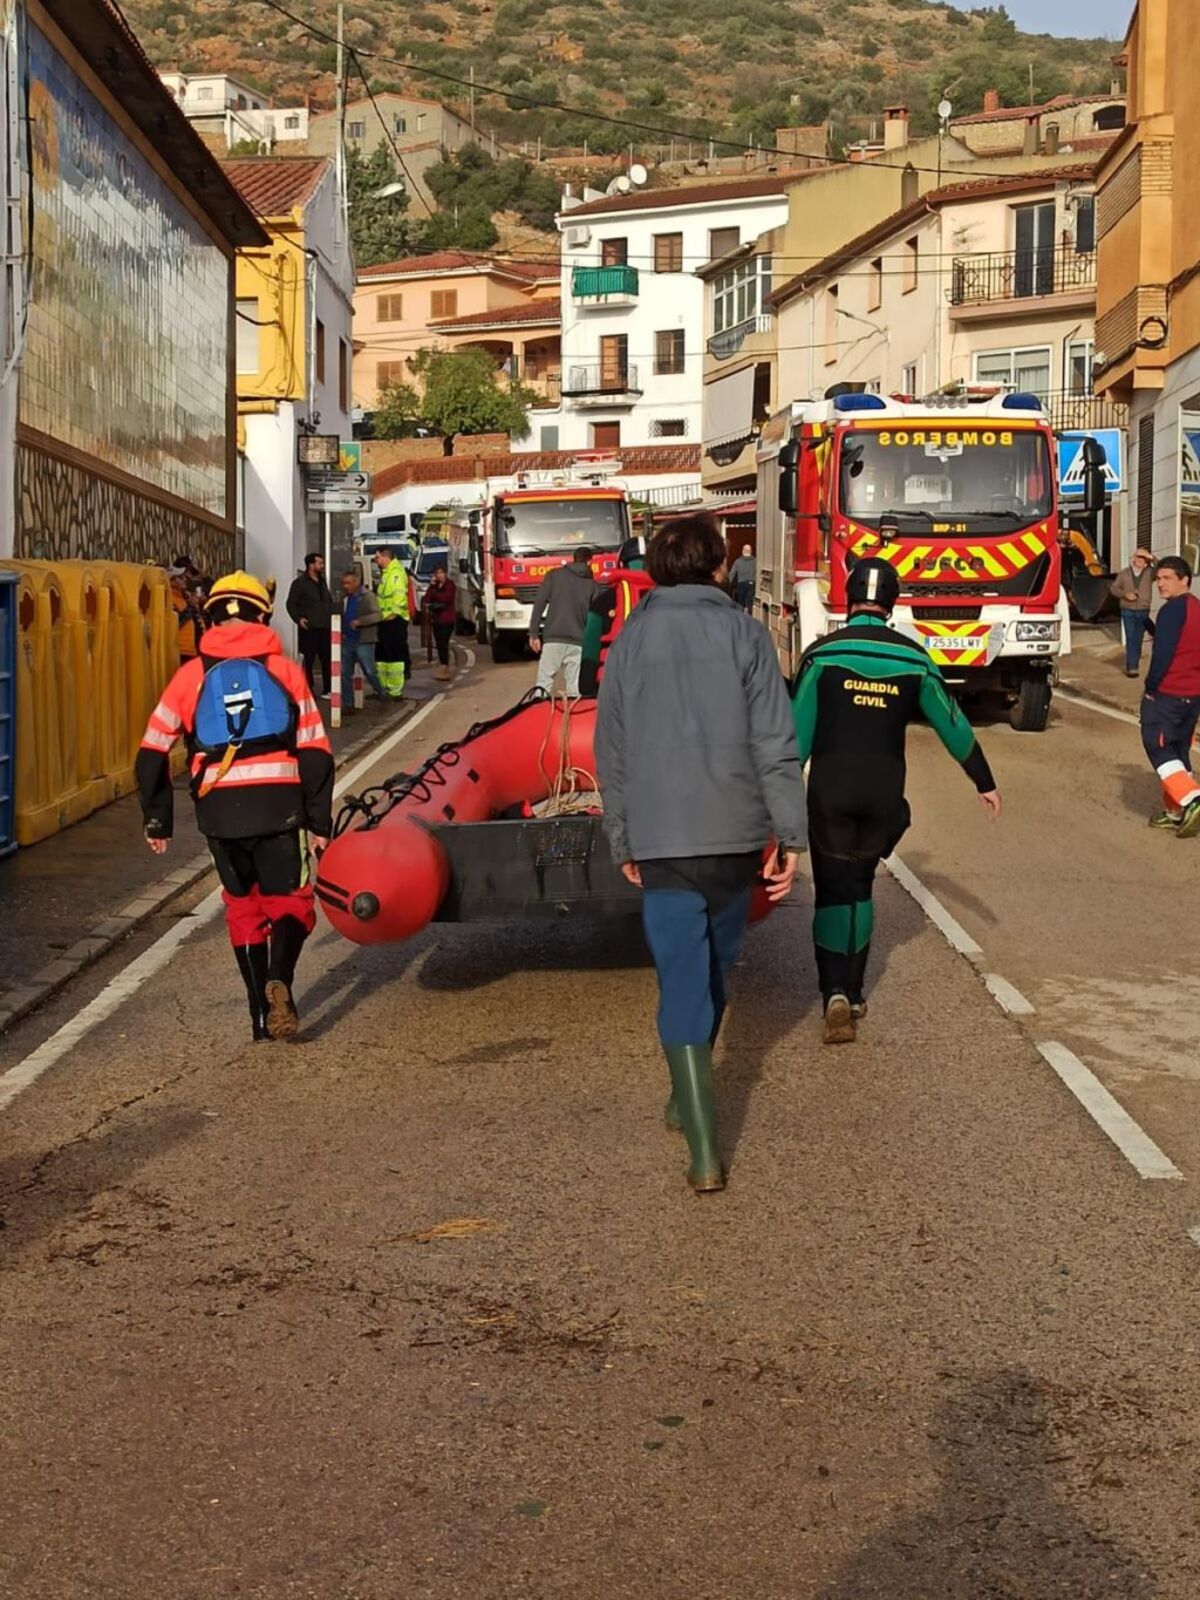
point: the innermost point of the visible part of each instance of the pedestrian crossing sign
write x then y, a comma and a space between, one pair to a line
1070, 459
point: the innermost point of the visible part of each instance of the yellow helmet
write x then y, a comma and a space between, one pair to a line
238, 588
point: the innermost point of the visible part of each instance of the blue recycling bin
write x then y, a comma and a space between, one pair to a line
8, 710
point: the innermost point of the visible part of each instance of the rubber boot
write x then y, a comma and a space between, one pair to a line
252, 964
692, 1093
671, 1111
287, 941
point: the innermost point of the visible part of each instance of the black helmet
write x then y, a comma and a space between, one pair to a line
632, 550
873, 583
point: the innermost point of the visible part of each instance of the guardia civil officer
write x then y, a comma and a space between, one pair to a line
262, 781
855, 694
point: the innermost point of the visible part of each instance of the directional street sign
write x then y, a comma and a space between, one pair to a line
340, 500
360, 482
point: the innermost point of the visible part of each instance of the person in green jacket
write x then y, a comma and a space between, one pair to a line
856, 693
392, 594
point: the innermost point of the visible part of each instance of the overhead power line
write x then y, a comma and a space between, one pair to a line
628, 123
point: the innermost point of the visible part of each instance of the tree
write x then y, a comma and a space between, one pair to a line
467, 227
456, 391
379, 230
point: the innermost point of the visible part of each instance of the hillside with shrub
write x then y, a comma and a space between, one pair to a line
700, 67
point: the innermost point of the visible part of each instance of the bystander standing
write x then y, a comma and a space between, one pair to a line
310, 606
441, 607
1133, 586
741, 578
361, 617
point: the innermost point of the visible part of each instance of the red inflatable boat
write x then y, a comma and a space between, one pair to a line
458, 841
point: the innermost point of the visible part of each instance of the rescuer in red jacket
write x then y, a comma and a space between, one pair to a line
262, 781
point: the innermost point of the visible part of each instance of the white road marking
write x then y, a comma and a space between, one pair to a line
153, 960
1138, 1148
1094, 705
1007, 996
954, 932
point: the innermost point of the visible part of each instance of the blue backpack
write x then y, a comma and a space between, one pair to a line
241, 703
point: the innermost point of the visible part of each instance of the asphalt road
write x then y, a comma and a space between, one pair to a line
421, 1306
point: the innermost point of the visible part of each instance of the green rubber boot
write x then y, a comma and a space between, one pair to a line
692, 1095
671, 1116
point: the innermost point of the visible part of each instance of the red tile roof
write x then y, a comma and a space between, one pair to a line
272, 186
460, 261
531, 314
1061, 102
692, 194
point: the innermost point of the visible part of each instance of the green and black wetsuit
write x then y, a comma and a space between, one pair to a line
855, 694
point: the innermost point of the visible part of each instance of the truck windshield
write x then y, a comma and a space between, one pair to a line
551, 527
998, 478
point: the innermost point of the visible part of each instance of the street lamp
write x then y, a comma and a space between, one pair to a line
389, 190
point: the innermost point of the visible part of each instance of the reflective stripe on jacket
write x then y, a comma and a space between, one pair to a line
392, 592
265, 790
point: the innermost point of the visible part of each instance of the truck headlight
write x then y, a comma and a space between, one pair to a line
1034, 632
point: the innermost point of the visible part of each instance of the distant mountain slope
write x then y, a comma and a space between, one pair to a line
701, 66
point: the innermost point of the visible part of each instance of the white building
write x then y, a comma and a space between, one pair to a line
225, 108
295, 349
633, 309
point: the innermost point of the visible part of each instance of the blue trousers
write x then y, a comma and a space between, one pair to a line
355, 650
693, 946
1133, 626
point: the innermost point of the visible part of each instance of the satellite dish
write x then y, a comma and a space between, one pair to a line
944, 109
623, 184
638, 174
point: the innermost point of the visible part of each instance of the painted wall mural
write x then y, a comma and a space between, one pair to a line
127, 342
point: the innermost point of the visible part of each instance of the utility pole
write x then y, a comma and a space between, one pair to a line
472, 103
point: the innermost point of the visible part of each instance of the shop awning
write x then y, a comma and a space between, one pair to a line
729, 409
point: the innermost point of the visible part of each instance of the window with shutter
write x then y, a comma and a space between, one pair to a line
390, 308
390, 372
614, 252
668, 350
443, 303
721, 241
668, 252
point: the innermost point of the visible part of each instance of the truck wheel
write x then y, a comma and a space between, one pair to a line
1030, 711
501, 647
481, 627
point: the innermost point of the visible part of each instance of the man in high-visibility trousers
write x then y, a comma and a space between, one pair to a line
262, 780
392, 650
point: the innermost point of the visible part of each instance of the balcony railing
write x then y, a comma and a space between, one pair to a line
1021, 274
597, 283
1084, 411
730, 340
599, 379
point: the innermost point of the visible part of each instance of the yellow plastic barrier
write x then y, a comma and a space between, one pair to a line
97, 643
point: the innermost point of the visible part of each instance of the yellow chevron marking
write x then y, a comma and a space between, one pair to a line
982, 553
1033, 544
1016, 558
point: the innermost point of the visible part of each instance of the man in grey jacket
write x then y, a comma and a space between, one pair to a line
699, 771
361, 617
563, 600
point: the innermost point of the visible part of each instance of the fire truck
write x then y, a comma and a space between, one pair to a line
529, 524
960, 494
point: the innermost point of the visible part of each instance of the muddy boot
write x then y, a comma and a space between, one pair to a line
839, 1020
692, 1094
252, 964
287, 941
